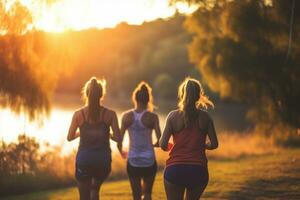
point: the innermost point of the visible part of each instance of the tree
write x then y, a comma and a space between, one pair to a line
19, 158
26, 75
242, 50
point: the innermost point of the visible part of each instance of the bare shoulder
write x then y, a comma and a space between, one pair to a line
109, 114
79, 112
108, 111
152, 115
78, 115
204, 112
127, 118
204, 115
173, 114
127, 114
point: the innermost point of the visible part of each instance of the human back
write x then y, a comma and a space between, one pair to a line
189, 142
94, 136
141, 152
177, 121
94, 143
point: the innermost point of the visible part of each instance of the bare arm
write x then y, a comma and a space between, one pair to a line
123, 130
126, 122
164, 140
73, 133
113, 137
157, 130
116, 130
213, 140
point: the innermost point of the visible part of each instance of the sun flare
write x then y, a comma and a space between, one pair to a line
62, 15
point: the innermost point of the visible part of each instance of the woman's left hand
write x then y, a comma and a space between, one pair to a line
113, 137
124, 154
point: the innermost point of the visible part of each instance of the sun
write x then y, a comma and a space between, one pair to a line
62, 15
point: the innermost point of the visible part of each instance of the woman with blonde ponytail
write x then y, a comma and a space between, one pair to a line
93, 159
189, 125
140, 122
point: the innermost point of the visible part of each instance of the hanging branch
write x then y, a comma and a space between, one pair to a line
291, 30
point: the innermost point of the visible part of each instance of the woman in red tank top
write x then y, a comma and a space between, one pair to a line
186, 167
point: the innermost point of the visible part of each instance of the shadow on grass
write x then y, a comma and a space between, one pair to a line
283, 187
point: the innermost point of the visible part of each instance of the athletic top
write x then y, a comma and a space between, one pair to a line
189, 148
141, 152
94, 146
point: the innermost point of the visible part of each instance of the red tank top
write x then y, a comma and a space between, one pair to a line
189, 148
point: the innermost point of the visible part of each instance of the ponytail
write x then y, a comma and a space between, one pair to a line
143, 95
93, 92
191, 98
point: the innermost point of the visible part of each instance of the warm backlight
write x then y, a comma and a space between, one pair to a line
61, 15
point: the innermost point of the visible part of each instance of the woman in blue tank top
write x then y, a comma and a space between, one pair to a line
93, 159
140, 122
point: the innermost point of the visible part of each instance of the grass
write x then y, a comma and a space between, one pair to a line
273, 175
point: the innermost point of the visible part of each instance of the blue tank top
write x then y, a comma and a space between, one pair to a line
94, 146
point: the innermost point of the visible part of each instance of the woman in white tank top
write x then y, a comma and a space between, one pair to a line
140, 122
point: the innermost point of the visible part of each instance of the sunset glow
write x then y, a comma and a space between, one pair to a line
61, 15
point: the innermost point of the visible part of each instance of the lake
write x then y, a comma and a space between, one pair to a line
52, 130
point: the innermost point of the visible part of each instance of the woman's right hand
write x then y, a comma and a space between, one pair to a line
121, 151
170, 146
156, 144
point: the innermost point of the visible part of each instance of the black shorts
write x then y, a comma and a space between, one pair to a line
141, 172
186, 175
99, 172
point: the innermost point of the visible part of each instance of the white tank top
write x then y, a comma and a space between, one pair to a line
141, 152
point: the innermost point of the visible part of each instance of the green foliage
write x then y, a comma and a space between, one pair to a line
127, 54
26, 70
162, 85
285, 136
32, 64
24, 167
240, 48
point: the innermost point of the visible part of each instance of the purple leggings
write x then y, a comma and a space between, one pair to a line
187, 175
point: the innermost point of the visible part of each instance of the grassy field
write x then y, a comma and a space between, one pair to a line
269, 176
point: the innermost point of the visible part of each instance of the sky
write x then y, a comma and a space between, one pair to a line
82, 14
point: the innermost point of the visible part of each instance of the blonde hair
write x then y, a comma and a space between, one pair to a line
192, 97
92, 93
143, 94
